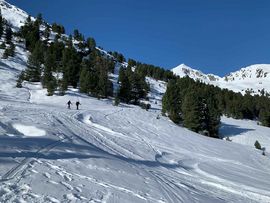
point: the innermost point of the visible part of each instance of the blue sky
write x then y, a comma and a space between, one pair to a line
215, 36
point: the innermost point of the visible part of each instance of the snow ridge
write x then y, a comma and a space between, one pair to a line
184, 70
15, 16
254, 78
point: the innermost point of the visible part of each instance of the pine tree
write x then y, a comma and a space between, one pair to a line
3, 45
9, 51
121, 74
47, 32
9, 34
49, 67
172, 102
59, 29
85, 81
91, 43
264, 116
63, 86
211, 112
5, 54
35, 60
1, 25
116, 100
139, 87
51, 86
12, 49
132, 63
77, 35
20, 79
71, 66
39, 19
30, 32
192, 114
125, 89
104, 86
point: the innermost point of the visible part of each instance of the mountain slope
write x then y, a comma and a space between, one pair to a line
254, 78
15, 16
184, 70
104, 153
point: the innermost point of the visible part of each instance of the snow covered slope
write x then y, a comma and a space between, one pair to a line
15, 16
104, 153
184, 70
253, 78
245, 132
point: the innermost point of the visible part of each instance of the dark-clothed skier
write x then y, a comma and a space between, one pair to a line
77, 105
69, 103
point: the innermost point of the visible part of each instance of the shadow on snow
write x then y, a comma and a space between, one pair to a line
227, 130
45, 148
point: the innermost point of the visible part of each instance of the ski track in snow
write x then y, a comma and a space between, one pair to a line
76, 128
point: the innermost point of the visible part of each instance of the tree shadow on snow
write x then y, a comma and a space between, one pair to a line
227, 130
46, 148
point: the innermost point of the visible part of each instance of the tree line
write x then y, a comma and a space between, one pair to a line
6, 34
198, 106
59, 61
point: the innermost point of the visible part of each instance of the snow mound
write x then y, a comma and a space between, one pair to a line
29, 131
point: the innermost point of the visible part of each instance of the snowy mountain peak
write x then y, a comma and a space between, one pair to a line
257, 71
253, 78
15, 16
184, 70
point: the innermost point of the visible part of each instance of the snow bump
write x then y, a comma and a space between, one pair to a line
29, 131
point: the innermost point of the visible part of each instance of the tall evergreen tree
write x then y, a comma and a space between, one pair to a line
264, 116
9, 34
192, 112
104, 86
125, 89
30, 32
47, 32
139, 87
85, 81
51, 86
34, 64
39, 19
1, 25
59, 29
91, 43
121, 74
172, 102
9, 51
71, 66
20, 79
49, 67
77, 35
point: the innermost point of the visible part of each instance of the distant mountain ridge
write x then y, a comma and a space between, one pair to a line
254, 78
184, 70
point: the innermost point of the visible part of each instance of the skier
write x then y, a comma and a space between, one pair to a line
77, 105
69, 103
